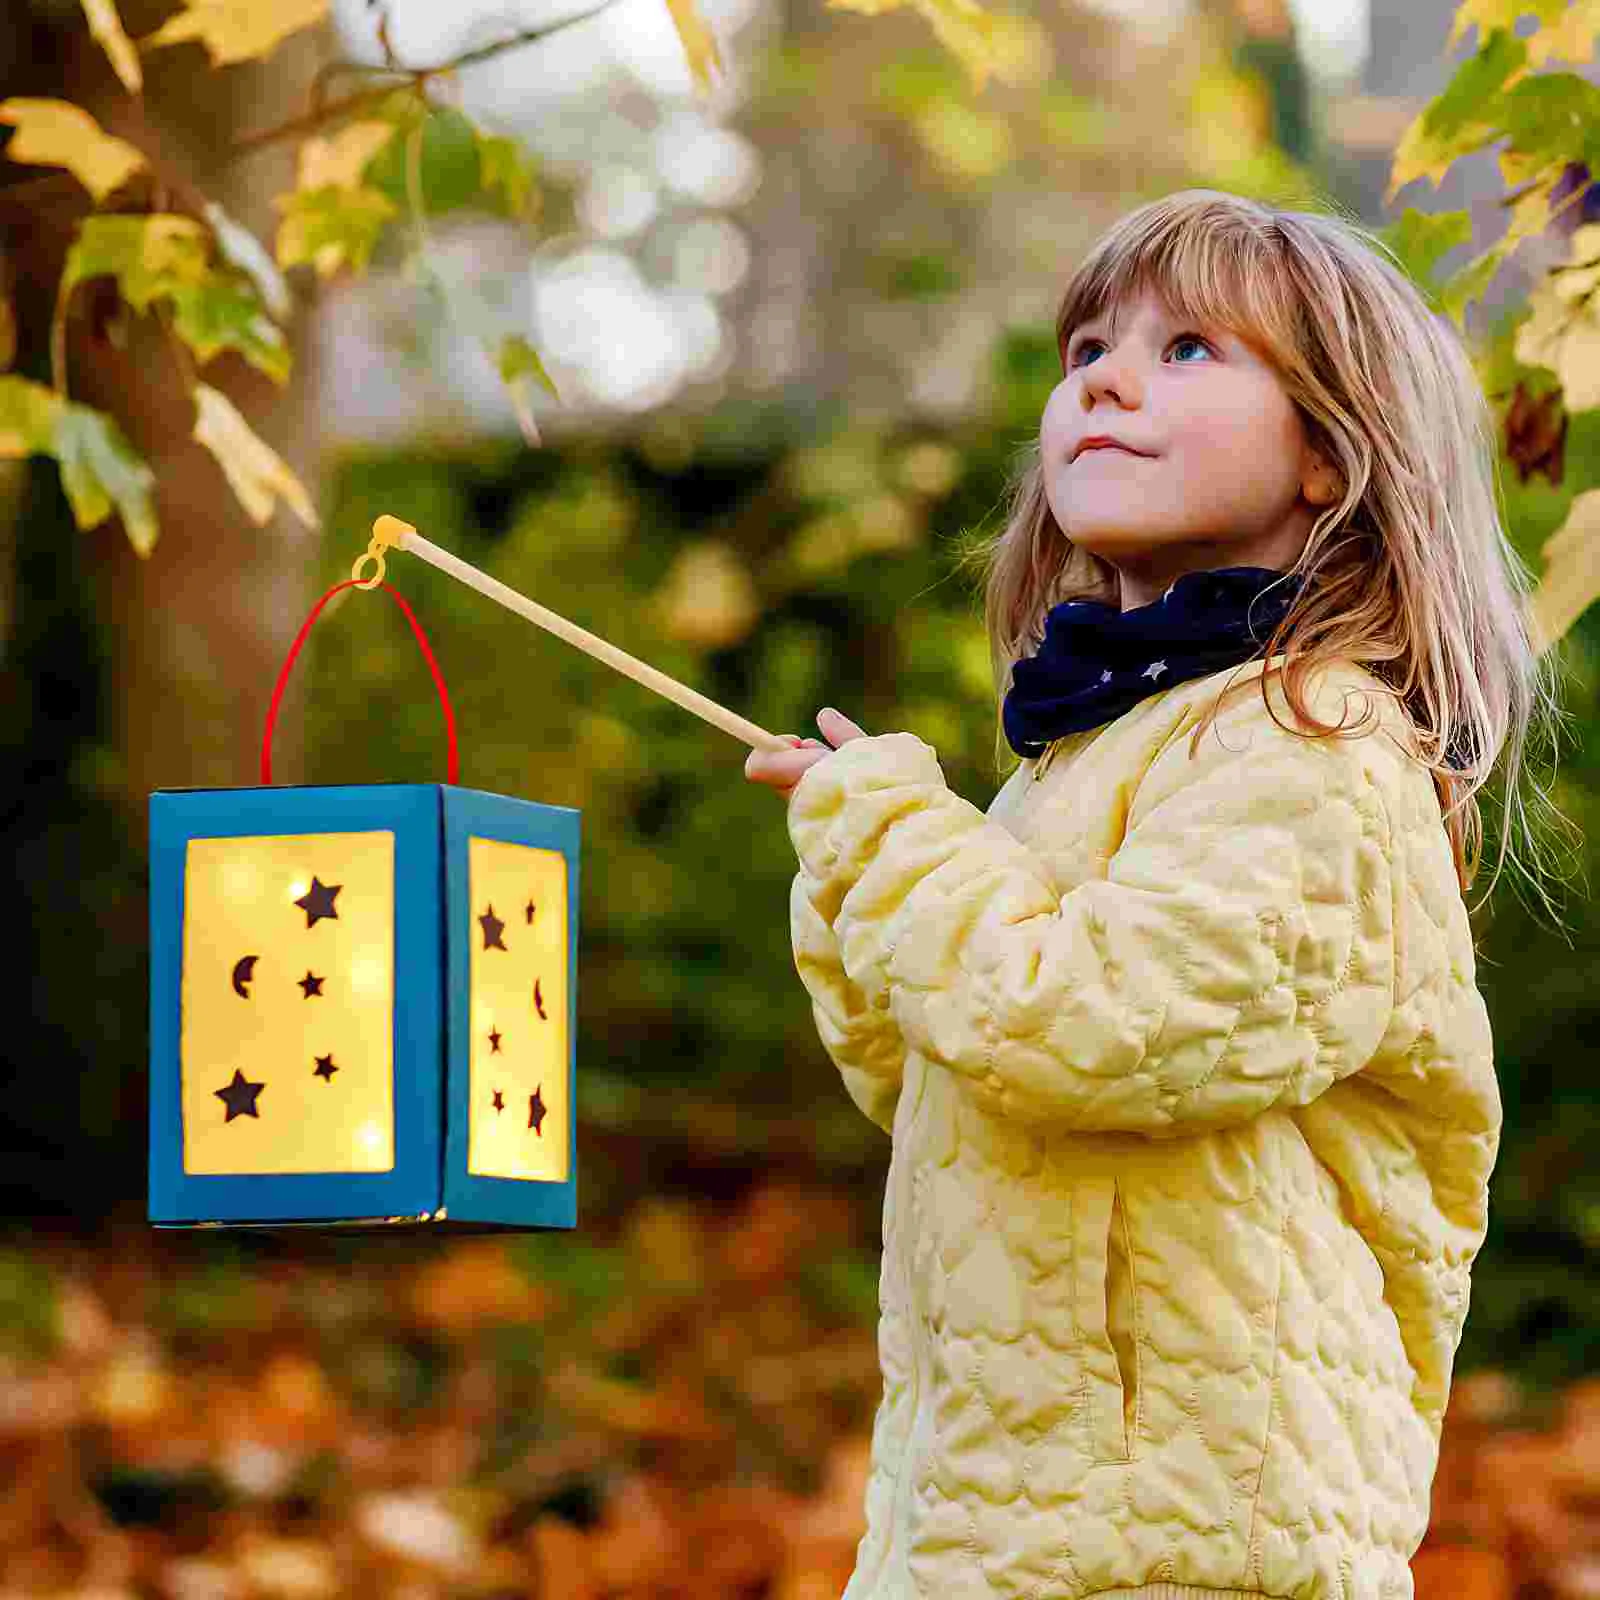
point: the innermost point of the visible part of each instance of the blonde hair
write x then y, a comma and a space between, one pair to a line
1416, 580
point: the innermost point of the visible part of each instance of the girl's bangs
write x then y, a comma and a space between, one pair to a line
1205, 268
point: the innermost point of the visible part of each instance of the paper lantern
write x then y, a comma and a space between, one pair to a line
363, 1002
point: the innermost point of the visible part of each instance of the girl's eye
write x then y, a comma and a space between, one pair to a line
1076, 357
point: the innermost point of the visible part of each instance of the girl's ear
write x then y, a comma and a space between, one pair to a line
1324, 485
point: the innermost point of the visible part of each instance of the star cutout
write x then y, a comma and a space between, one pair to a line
536, 1112
240, 1096
325, 1068
499, 1101
494, 1042
1154, 670
493, 927
1105, 677
317, 902
311, 985
530, 911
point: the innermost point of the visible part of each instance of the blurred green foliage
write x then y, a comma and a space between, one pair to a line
691, 1021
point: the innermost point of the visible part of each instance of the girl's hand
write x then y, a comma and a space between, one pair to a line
783, 769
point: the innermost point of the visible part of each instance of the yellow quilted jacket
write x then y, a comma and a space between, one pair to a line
1193, 1108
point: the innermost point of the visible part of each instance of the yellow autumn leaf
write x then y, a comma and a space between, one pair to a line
1492, 14
1530, 214
1518, 167
1422, 154
985, 44
52, 133
1570, 37
1570, 581
698, 41
341, 159
1562, 331
237, 30
106, 27
257, 473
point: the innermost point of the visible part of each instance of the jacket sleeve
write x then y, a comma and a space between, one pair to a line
1237, 955
863, 1042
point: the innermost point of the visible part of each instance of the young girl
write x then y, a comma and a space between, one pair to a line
1190, 1086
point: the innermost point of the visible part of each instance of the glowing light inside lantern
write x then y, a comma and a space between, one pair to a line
369, 972
518, 1117
324, 1061
241, 881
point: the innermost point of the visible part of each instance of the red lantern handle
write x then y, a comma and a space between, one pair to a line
300, 639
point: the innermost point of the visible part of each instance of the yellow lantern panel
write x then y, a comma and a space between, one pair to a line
519, 1123
287, 1003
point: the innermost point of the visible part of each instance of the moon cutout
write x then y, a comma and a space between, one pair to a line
538, 1001
243, 971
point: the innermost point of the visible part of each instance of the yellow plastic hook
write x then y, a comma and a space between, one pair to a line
387, 532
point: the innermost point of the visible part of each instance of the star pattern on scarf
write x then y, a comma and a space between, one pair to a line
1154, 670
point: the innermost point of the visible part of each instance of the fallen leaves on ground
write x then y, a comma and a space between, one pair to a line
677, 1405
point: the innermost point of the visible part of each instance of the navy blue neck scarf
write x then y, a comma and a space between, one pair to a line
1097, 662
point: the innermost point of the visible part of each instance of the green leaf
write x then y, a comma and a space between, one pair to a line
1460, 119
1421, 238
224, 313
100, 471
241, 248
507, 166
518, 363
1492, 14
1469, 283
518, 359
165, 257
257, 473
99, 468
149, 256
1555, 115
331, 226
450, 169
29, 412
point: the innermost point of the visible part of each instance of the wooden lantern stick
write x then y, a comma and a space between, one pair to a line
391, 533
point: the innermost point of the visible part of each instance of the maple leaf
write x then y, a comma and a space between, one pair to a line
518, 363
100, 470
340, 159
331, 226
106, 27
29, 412
1492, 14
1571, 578
52, 133
258, 475
237, 30
148, 255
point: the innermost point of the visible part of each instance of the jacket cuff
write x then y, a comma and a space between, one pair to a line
825, 835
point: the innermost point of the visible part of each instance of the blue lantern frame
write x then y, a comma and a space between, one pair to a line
429, 1183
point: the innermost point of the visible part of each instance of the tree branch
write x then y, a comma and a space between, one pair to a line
420, 76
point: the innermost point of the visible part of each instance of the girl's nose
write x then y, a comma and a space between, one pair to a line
1111, 377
